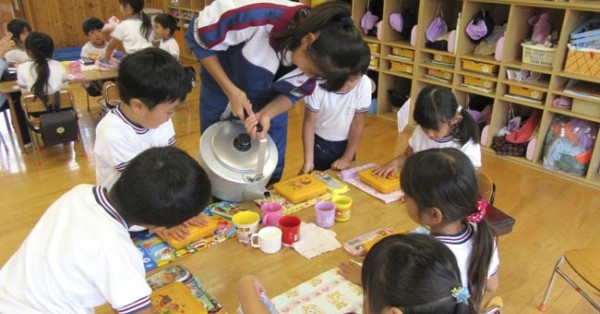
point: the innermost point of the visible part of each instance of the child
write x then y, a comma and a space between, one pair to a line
403, 273
441, 123
41, 76
143, 119
96, 45
19, 30
334, 121
263, 55
94, 48
164, 28
133, 32
79, 255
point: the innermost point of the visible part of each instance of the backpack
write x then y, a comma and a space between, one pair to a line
56, 126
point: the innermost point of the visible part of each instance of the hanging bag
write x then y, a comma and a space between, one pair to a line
437, 27
56, 126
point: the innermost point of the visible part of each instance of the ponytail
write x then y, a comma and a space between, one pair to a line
137, 6
41, 48
468, 128
479, 262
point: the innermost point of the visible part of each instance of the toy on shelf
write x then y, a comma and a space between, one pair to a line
300, 188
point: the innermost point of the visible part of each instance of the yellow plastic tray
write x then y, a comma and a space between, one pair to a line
175, 298
300, 188
196, 233
383, 185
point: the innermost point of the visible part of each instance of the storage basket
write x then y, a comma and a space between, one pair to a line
584, 62
538, 55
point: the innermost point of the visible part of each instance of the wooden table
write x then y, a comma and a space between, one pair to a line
9, 87
220, 267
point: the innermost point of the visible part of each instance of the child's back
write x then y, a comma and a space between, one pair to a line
41, 75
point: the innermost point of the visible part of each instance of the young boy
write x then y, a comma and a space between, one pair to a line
164, 28
79, 255
95, 47
334, 121
151, 85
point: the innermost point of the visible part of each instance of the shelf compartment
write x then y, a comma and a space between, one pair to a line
432, 81
398, 6
522, 102
398, 73
530, 67
578, 77
388, 83
499, 14
480, 58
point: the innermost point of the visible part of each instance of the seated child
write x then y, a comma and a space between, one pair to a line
442, 193
164, 27
19, 30
80, 255
334, 121
441, 123
42, 76
402, 273
151, 85
94, 48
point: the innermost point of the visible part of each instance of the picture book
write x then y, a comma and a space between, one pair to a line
178, 273
175, 298
225, 209
325, 293
300, 188
287, 206
334, 186
157, 252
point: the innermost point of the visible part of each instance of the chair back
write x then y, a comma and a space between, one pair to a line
494, 306
487, 188
112, 98
33, 106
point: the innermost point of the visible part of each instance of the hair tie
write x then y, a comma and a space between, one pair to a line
477, 216
461, 294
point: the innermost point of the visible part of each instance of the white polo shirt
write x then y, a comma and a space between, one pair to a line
170, 45
419, 141
89, 48
16, 56
118, 140
26, 76
78, 256
335, 111
130, 34
461, 245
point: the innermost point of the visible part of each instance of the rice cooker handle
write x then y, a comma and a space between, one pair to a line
262, 152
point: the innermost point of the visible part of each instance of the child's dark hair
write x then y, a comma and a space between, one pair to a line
138, 8
446, 179
414, 273
338, 47
435, 105
153, 76
167, 21
162, 186
40, 48
365, 59
16, 27
92, 24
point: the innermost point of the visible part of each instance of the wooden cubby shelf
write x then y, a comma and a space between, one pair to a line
415, 61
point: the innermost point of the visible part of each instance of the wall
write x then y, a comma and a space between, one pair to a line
61, 19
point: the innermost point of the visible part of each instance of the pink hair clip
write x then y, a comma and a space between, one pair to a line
477, 216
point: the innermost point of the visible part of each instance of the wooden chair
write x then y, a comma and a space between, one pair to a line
34, 108
586, 263
111, 97
487, 188
498, 220
494, 306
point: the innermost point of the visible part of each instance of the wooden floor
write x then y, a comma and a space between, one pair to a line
553, 215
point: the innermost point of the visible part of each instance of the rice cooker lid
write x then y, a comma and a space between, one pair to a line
233, 147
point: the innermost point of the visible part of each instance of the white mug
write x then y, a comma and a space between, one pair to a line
268, 239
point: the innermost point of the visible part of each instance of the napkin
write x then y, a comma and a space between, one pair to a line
315, 240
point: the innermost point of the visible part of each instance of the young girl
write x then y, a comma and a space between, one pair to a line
441, 123
133, 32
404, 273
441, 192
19, 30
41, 76
262, 55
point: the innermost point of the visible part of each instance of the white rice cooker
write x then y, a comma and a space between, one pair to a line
238, 167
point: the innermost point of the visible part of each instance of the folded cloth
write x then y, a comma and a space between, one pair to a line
315, 240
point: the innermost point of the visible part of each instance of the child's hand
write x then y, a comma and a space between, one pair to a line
306, 168
179, 232
350, 271
251, 123
341, 164
6, 44
387, 170
197, 221
240, 105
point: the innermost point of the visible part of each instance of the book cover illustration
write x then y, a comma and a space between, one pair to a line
175, 298
287, 206
224, 209
157, 252
325, 293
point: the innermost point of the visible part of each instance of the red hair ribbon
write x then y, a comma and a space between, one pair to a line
477, 216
